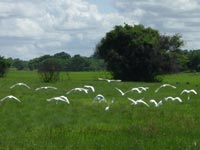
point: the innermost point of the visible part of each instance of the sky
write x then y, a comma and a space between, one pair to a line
32, 28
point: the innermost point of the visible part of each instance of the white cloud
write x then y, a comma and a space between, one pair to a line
32, 28
167, 16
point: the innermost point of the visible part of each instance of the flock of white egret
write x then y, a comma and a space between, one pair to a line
100, 98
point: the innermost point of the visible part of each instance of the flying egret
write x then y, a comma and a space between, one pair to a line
20, 84
136, 89
108, 107
90, 87
78, 89
136, 102
10, 97
173, 99
157, 104
121, 92
100, 98
59, 98
141, 88
165, 85
109, 80
46, 87
65, 98
188, 92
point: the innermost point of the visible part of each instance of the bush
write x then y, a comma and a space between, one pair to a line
49, 70
4, 65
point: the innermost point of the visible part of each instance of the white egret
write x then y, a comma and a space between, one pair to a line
46, 87
59, 98
100, 98
141, 88
20, 84
90, 87
173, 99
78, 89
136, 102
121, 92
65, 98
165, 85
157, 104
10, 97
108, 107
136, 89
188, 92
109, 80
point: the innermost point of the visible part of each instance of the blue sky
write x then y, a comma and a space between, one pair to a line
32, 28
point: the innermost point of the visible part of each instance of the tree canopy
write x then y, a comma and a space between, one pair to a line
137, 53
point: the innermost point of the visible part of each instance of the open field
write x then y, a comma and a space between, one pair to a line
35, 124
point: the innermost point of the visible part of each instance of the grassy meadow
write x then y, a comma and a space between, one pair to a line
35, 124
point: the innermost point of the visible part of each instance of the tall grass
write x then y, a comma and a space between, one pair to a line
40, 125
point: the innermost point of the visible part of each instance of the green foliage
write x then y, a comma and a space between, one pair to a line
194, 57
49, 70
18, 64
40, 125
68, 63
4, 65
138, 53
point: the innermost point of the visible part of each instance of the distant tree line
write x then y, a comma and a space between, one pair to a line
63, 60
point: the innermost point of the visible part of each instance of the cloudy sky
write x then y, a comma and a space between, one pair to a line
32, 28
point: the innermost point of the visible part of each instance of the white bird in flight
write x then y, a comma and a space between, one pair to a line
141, 88
157, 104
78, 89
46, 87
10, 97
100, 98
121, 92
137, 90
173, 99
59, 98
165, 85
188, 92
90, 87
136, 102
109, 80
20, 84
108, 107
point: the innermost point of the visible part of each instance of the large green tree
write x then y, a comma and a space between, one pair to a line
137, 53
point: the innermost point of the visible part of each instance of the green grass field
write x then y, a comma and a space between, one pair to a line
35, 124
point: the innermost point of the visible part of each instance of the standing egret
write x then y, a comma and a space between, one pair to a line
20, 84
10, 97
188, 92
165, 85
